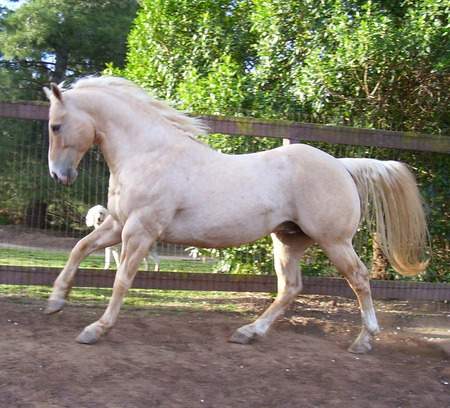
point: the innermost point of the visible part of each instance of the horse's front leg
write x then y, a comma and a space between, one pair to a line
154, 255
136, 243
109, 233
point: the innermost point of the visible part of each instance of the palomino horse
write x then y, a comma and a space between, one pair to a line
166, 185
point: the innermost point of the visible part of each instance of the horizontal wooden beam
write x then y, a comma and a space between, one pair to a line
13, 275
301, 132
293, 131
24, 110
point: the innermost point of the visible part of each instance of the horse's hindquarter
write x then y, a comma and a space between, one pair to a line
230, 200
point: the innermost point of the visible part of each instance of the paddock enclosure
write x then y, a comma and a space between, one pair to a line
178, 355
32, 200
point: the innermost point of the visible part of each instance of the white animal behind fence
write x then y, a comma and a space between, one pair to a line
94, 218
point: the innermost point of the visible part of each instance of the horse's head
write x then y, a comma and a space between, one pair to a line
72, 133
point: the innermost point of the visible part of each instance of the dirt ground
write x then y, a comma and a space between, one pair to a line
180, 357
19, 237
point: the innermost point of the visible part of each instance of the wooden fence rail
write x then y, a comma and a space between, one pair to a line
12, 275
293, 131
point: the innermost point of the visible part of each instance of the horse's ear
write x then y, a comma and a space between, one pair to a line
47, 92
56, 91
53, 91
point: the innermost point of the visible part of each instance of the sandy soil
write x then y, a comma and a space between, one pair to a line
181, 358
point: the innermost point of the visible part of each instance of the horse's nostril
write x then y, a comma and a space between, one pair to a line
55, 176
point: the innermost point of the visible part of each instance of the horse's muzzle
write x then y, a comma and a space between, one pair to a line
65, 177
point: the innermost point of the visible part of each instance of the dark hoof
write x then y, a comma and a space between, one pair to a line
240, 338
54, 306
87, 337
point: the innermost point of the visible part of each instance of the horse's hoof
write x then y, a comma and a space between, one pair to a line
87, 337
54, 306
360, 348
240, 338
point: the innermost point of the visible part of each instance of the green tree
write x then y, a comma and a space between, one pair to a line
56, 39
174, 41
388, 67
42, 41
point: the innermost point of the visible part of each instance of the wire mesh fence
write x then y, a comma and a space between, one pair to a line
38, 217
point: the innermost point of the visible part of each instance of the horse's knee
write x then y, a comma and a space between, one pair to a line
121, 286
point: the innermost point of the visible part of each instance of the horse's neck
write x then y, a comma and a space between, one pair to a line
132, 134
126, 135
133, 152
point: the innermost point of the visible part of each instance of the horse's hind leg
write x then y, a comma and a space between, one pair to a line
109, 233
344, 258
288, 250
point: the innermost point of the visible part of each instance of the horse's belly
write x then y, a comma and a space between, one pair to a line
226, 213
218, 234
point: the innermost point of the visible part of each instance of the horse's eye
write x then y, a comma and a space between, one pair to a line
55, 128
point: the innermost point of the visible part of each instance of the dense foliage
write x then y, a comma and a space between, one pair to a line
376, 64
382, 62
45, 40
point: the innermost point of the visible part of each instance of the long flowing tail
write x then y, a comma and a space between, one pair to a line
389, 193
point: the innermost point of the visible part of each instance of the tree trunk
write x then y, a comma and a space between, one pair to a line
379, 261
36, 215
62, 60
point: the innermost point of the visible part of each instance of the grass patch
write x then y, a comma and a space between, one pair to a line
20, 257
159, 300
30, 258
30, 292
163, 301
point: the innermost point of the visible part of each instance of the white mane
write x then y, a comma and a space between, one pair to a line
192, 126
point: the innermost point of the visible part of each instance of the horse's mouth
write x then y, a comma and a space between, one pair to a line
64, 179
